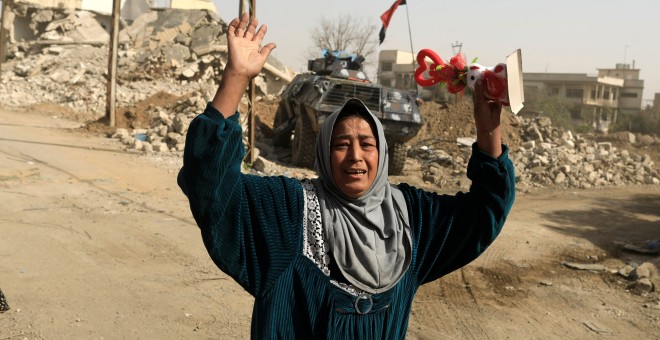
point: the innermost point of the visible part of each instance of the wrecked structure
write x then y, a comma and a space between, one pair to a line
63, 53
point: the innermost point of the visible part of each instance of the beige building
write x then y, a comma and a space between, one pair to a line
598, 100
193, 4
630, 101
53, 3
396, 69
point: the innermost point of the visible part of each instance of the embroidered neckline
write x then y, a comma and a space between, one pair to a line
314, 247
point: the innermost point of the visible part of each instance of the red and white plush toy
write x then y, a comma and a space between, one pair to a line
494, 81
457, 75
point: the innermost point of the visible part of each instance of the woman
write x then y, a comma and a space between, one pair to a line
340, 256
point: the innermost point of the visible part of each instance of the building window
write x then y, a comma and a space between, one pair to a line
553, 91
386, 67
628, 95
574, 93
606, 95
593, 94
576, 114
407, 80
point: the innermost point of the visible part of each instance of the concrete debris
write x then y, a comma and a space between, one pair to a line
573, 161
644, 277
55, 56
594, 267
550, 157
189, 46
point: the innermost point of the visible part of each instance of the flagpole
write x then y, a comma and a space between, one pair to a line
412, 82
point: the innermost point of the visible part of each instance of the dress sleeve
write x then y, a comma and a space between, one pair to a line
451, 231
250, 224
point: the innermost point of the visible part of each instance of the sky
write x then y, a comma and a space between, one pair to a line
557, 37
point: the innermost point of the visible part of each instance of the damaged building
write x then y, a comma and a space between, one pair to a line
185, 44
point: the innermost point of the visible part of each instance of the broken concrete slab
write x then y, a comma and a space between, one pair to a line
203, 37
176, 54
585, 266
135, 32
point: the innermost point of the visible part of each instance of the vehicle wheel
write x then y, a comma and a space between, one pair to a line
282, 132
304, 143
398, 155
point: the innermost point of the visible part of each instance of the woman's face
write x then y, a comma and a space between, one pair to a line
353, 156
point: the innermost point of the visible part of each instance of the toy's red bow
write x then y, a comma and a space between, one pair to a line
452, 74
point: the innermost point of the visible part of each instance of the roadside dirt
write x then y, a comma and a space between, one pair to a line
98, 242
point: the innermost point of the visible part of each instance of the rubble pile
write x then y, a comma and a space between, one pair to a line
175, 51
36, 27
551, 157
75, 76
168, 127
187, 46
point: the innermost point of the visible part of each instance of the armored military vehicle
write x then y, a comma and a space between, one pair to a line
332, 80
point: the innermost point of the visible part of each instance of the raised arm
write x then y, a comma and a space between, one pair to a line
246, 58
487, 121
249, 224
455, 230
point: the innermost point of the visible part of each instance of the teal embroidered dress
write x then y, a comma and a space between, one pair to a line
265, 233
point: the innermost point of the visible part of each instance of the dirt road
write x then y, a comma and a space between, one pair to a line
99, 243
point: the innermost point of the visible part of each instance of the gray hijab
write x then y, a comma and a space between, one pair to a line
369, 237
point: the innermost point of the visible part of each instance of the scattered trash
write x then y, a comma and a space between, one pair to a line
465, 141
653, 245
585, 266
596, 328
4, 306
649, 248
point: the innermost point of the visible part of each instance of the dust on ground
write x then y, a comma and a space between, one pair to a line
99, 243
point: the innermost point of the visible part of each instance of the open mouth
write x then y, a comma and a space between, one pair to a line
355, 172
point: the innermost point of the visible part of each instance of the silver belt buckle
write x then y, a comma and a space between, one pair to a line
363, 296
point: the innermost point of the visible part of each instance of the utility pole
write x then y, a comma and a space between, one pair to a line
112, 66
413, 85
4, 30
457, 44
251, 87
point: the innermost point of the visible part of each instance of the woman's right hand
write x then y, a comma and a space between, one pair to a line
246, 56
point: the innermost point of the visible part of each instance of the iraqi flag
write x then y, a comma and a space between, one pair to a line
387, 16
